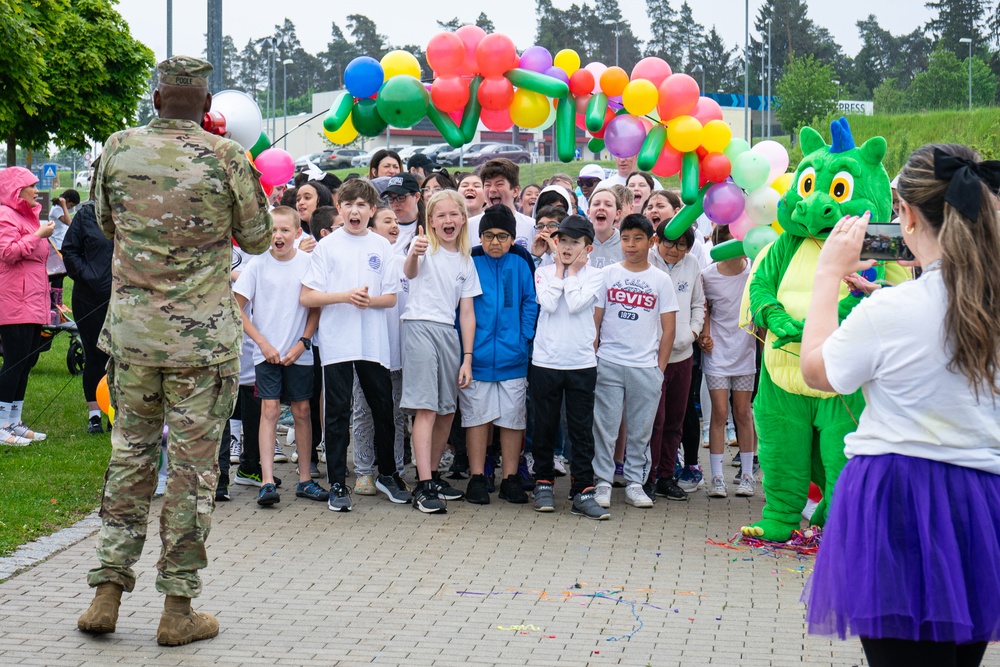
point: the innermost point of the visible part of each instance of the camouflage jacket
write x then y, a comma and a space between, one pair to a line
172, 196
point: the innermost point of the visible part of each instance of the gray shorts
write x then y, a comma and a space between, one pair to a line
734, 383
502, 403
432, 356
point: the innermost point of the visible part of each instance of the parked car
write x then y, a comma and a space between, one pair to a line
300, 163
477, 154
409, 152
434, 150
82, 179
449, 158
338, 158
363, 160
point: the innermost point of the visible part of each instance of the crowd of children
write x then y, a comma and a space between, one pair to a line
555, 331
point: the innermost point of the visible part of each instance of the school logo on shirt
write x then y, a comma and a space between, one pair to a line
630, 294
404, 284
682, 286
374, 262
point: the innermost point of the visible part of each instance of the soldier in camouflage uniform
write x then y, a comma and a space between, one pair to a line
171, 196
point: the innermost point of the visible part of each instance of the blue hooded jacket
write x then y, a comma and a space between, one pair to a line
506, 313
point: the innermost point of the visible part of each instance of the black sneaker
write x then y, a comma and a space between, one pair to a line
667, 488
394, 488
511, 491
584, 504
339, 499
268, 495
222, 491
544, 500
94, 425
311, 490
460, 467
445, 490
477, 492
650, 490
426, 499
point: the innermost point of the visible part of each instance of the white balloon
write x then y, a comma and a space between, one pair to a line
243, 118
762, 205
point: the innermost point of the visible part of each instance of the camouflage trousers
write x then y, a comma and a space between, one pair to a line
194, 404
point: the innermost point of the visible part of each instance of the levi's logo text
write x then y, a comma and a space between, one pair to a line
632, 294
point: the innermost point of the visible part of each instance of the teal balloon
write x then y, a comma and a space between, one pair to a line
403, 101
367, 120
750, 170
735, 148
757, 238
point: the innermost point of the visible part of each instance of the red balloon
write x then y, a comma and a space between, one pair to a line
470, 35
678, 96
268, 189
450, 93
582, 102
707, 109
445, 53
701, 152
651, 69
716, 167
669, 162
494, 54
581, 82
457, 116
495, 93
497, 120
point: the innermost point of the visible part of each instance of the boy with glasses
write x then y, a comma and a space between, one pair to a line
402, 195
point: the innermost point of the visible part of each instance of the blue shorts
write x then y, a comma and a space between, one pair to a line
293, 383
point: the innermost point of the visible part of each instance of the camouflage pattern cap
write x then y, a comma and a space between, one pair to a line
184, 71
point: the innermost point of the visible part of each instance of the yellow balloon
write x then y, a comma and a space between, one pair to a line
567, 60
529, 109
111, 414
782, 183
716, 135
640, 97
345, 135
684, 133
399, 62
776, 226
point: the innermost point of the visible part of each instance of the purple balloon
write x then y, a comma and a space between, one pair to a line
724, 203
537, 59
557, 73
624, 136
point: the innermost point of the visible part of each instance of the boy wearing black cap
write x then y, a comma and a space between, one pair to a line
505, 325
564, 364
420, 166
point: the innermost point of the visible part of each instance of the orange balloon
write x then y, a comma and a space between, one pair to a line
613, 81
103, 396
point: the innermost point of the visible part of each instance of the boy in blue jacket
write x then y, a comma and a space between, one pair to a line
506, 312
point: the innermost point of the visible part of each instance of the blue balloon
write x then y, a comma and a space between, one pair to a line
363, 77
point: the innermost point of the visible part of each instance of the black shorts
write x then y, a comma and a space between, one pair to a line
293, 383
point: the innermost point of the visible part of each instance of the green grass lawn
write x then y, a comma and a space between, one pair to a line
52, 484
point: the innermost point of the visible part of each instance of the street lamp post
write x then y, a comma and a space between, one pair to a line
698, 68
284, 100
746, 72
614, 22
968, 40
768, 78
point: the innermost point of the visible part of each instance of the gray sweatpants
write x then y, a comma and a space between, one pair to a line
638, 389
364, 428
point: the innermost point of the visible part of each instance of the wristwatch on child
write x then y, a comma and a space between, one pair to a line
306, 343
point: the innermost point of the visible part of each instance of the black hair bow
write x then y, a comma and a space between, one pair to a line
964, 192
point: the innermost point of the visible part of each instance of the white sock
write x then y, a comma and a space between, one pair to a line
716, 461
236, 428
94, 413
746, 460
15, 412
4, 414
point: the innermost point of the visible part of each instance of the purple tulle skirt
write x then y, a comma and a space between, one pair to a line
911, 550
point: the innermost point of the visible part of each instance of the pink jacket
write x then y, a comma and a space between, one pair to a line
24, 283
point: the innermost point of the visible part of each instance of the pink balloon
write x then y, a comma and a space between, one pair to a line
651, 69
741, 226
470, 35
456, 116
597, 69
707, 109
776, 156
275, 166
581, 103
678, 96
669, 162
497, 120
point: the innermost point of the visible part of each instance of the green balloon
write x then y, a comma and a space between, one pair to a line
403, 101
538, 83
731, 249
750, 170
566, 129
652, 146
595, 145
339, 111
470, 117
596, 107
687, 216
735, 148
689, 178
446, 126
263, 143
758, 237
367, 120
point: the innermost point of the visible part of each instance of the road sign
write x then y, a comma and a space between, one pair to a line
86, 156
48, 175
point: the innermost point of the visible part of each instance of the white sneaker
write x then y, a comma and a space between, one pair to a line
446, 460
21, 430
602, 495
559, 465
636, 497
235, 449
10, 439
161, 486
730, 434
279, 456
704, 435
529, 461
321, 450
747, 487
290, 442
717, 489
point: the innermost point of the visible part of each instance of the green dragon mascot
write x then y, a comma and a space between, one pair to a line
801, 430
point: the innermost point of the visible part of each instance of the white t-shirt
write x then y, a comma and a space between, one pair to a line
893, 347
248, 375
442, 279
342, 262
525, 230
633, 303
406, 233
392, 315
59, 232
734, 349
565, 333
273, 287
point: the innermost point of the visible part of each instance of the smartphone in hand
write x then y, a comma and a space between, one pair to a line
885, 242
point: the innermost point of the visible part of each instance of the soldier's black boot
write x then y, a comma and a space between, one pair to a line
102, 616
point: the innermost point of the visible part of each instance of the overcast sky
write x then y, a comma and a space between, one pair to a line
406, 21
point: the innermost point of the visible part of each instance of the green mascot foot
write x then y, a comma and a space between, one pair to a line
819, 516
769, 529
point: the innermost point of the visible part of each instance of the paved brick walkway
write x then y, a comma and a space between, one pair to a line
500, 584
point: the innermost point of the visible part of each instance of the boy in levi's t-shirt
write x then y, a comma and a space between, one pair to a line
635, 318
